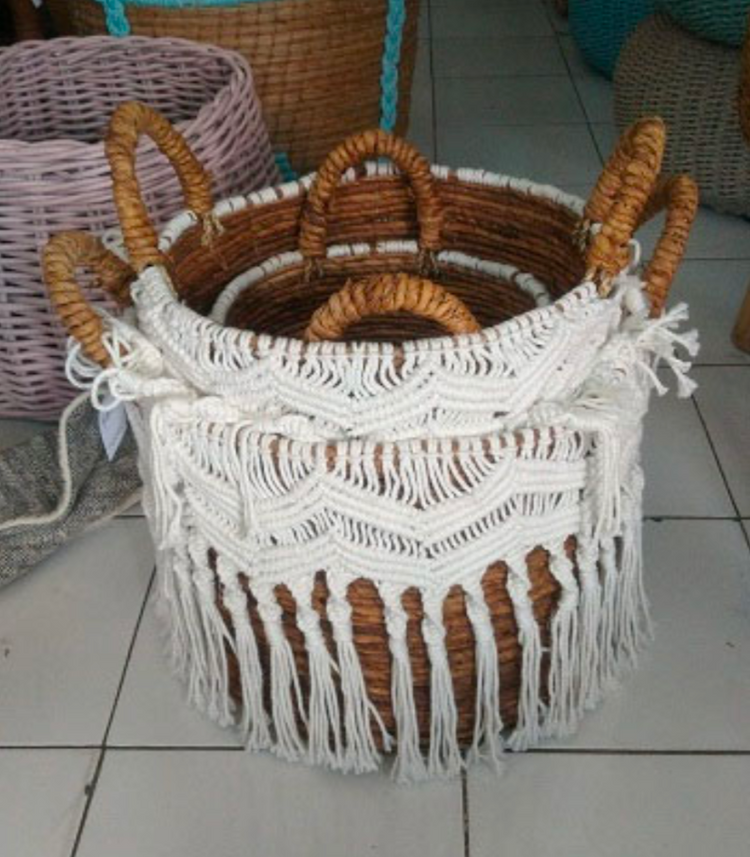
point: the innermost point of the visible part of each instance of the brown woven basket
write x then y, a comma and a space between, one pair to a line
317, 64
495, 220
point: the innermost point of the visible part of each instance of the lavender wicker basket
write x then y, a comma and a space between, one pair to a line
55, 100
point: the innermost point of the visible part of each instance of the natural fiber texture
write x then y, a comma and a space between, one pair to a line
386, 295
59, 484
692, 84
600, 28
719, 20
55, 100
317, 64
390, 544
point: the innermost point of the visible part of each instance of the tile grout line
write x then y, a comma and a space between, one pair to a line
94, 782
465, 812
571, 77
714, 451
433, 96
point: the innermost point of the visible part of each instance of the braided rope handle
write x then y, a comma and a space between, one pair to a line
385, 294
354, 150
62, 257
129, 122
627, 194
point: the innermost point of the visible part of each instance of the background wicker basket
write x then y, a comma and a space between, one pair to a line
600, 28
55, 101
323, 69
693, 85
719, 20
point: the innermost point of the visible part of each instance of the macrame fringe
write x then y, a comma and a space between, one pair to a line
596, 631
409, 765
564, 682
444, 753
286, 693
488, 723
360, 715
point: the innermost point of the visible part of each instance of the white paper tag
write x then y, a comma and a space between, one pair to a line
112, 426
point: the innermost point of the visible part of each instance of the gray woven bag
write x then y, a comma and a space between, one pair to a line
59, 484
693, 84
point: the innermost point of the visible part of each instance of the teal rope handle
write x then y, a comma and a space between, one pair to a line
394, 30
117, 19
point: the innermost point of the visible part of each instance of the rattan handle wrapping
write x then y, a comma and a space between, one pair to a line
386, 294
63, 256
354, 150
679, 196
628, 193
621, 194
128, 123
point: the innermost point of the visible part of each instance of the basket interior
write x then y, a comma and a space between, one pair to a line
67, 89
530, 232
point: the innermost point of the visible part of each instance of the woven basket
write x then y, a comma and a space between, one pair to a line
693, 84
54, 103
323, 68
719, 20
399, 540
600, 28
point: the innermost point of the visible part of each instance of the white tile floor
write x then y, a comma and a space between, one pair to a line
99, 755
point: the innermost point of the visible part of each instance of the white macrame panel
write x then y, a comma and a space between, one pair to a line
429, 515
465, 385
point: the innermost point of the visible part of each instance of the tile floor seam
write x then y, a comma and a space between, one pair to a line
91, 787
572, 79
90, 791
717, 459
128, 658
465, 818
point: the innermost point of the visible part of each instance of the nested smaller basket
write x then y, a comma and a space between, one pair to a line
389, 425
55, 100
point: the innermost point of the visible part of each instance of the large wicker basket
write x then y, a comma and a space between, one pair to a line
400, 540
54, 100
693, 85
323, 68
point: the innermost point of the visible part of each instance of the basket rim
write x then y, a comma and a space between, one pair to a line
156, 286
235, 62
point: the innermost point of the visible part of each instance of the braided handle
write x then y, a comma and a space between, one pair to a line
621, 195
679, 196
386, 294
61, 258
128, 123
355, 149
